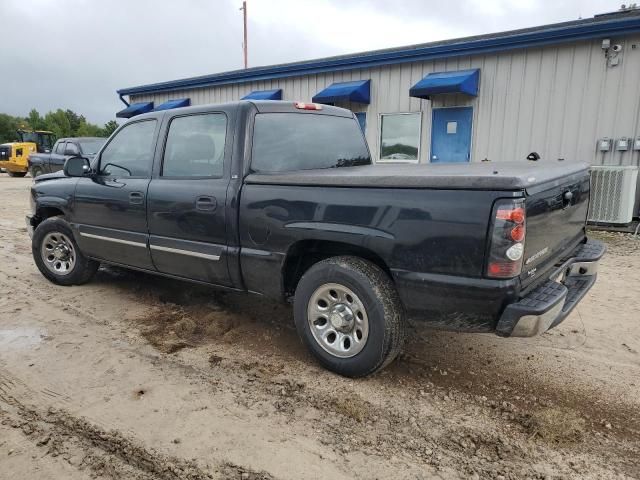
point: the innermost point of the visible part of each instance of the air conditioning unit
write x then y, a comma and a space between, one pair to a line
613, 194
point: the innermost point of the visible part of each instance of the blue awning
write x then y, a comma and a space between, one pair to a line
168, 105
462, 81
357, 91
264, 95
135, 109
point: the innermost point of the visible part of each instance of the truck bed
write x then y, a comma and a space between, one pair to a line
468, 176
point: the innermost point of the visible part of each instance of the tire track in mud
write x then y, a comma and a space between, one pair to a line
107, 453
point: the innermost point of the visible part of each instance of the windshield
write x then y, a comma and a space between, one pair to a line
284, 142
45, 140
91, 147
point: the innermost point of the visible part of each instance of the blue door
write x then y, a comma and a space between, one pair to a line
451, 134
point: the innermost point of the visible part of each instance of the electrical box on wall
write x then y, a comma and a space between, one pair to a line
622, 144
604, 144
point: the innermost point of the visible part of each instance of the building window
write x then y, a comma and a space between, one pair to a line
400, 137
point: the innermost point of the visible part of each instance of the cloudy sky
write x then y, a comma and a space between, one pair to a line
76, 53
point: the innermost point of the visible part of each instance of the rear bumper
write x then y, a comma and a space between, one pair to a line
550, 303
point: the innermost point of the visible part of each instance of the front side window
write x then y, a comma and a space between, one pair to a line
400, 137
195, 146
284, 142
130, 153
60, 148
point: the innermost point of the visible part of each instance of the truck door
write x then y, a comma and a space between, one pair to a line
110, 209
187, 199
56, 158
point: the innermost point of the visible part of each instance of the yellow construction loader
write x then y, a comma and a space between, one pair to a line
14, 155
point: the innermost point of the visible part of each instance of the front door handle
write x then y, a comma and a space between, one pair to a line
136, 198
207, 204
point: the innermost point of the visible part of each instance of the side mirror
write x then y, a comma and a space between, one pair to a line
76, 167
70, 152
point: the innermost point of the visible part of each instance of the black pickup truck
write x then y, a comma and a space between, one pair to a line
282, 200
53, 161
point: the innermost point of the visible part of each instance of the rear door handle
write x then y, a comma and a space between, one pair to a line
136, 198
207, 204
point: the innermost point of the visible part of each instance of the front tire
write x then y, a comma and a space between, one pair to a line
349, 315
57, 255
36, 172
17, 174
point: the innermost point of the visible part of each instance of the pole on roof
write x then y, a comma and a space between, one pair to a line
244, 43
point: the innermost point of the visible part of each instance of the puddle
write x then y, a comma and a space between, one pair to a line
21, 338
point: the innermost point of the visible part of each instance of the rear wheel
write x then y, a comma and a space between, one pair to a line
17, 174
348, 314
57, 255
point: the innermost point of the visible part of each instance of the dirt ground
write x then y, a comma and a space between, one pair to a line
138, 377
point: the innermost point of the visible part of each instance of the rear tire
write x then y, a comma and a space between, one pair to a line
57, 255
17, 174
348, 313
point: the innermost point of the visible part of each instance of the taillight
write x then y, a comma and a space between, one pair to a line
308, 106
508, 232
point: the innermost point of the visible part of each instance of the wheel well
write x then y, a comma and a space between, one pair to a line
47, 212
302, 255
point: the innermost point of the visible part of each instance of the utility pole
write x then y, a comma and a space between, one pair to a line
244, 44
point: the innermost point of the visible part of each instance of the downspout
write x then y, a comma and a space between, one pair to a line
123, 100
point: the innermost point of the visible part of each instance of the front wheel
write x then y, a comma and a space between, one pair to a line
36, 172
57, 255
349, 315
17, 174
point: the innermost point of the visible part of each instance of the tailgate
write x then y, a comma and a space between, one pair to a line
556, 218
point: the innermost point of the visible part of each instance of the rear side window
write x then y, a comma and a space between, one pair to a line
195, 146
130, 152
285, 142
71, 149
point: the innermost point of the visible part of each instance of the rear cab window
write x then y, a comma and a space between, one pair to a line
284, 142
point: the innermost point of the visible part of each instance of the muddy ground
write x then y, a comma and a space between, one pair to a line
138, 377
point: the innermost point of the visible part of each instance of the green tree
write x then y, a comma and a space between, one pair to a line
75, 120
58, 123
63, 123
35, 121
109, 128
8, 127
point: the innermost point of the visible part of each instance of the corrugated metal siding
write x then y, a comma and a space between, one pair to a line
555, 100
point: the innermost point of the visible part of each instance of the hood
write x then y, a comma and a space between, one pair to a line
49, 176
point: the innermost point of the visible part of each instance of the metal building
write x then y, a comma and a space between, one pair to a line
566, 91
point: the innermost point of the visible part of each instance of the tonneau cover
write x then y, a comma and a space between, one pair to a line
471, 176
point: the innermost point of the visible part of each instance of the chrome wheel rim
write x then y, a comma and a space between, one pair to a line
338, 320
58, 253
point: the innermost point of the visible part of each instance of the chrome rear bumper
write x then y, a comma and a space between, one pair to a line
550, 303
